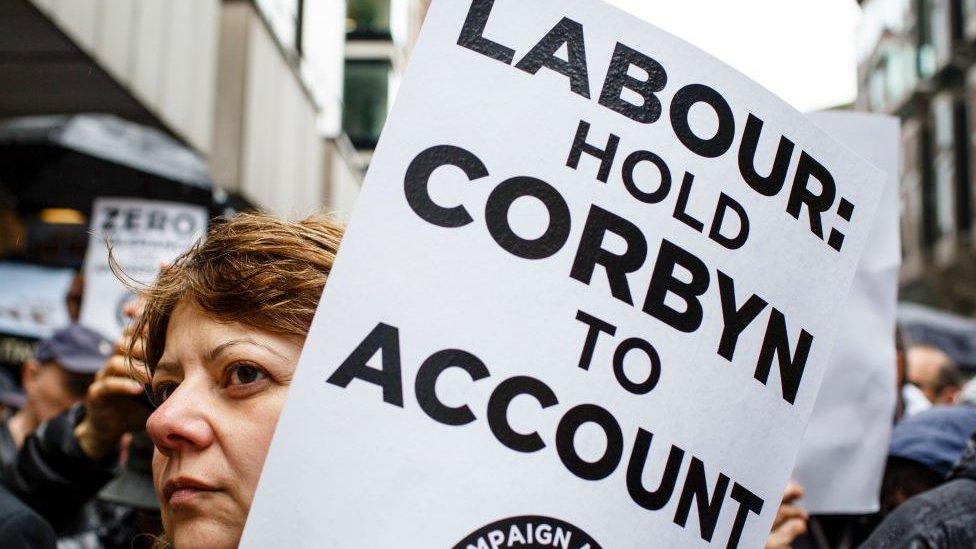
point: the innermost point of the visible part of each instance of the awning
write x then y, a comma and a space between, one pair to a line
69, 160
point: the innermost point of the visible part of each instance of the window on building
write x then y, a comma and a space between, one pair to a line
911, 208
923, 34
929, 223
368, 19
366, 95
963, 194
969, 18
900, 73
944, 190
902, 64
944, 150
876, 89
941, 33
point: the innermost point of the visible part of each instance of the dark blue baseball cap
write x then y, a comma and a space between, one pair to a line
935, 437
76, 348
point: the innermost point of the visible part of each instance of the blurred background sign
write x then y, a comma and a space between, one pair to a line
32, 299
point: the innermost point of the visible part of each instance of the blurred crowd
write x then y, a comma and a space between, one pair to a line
75, 461
928, 491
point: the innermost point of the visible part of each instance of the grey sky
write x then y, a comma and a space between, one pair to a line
802, 50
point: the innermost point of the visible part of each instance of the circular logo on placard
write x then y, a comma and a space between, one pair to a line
529, 532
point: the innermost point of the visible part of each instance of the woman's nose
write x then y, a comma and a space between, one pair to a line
181, 422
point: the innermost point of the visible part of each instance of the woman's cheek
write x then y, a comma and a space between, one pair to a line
252, 432
159, 462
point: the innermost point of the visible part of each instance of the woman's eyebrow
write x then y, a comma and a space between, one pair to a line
216, 351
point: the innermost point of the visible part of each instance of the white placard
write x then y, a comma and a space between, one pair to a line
446, 395
851, 422
32, 299
143, 234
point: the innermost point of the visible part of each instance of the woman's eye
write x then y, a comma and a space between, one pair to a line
159, 392
245, 374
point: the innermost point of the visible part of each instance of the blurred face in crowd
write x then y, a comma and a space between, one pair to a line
50, 389
219, 387
932, 371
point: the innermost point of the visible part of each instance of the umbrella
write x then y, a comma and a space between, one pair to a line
67, 161
953, 334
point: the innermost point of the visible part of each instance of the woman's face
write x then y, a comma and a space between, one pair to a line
220, 388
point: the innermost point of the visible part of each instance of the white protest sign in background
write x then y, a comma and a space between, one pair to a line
842, 458
144, 234
32, 299
586, 299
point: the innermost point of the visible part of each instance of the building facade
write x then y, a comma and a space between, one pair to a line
917, 60
254, 86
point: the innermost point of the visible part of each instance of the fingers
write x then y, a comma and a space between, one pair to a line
791, 530
793, 492
783, 537
113, 386
138, 351
118, 366
787, 510
133, 309
786, 513
129, 330
794, 528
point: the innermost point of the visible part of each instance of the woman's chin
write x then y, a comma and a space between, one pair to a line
204, 533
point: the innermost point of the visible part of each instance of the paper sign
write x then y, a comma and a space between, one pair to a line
842, 458
32, 299
143, 235
523, 343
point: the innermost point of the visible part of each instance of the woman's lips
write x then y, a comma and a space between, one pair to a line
183, 490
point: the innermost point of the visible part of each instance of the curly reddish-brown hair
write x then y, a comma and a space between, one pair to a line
250, 268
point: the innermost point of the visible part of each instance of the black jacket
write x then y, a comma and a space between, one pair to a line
21, 528
52, 474
8, 450
944, 517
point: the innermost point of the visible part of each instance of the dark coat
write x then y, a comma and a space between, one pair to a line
52, 474
21, 528
944, 517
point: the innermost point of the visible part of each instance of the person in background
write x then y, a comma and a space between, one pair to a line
934, 373
21, 528
849, 530
11, 398
57, 377
940, 518
71, 456
923, 450
125, 513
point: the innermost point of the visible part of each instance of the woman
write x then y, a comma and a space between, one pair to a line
223, 329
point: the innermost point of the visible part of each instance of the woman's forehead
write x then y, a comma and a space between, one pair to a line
192, 333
